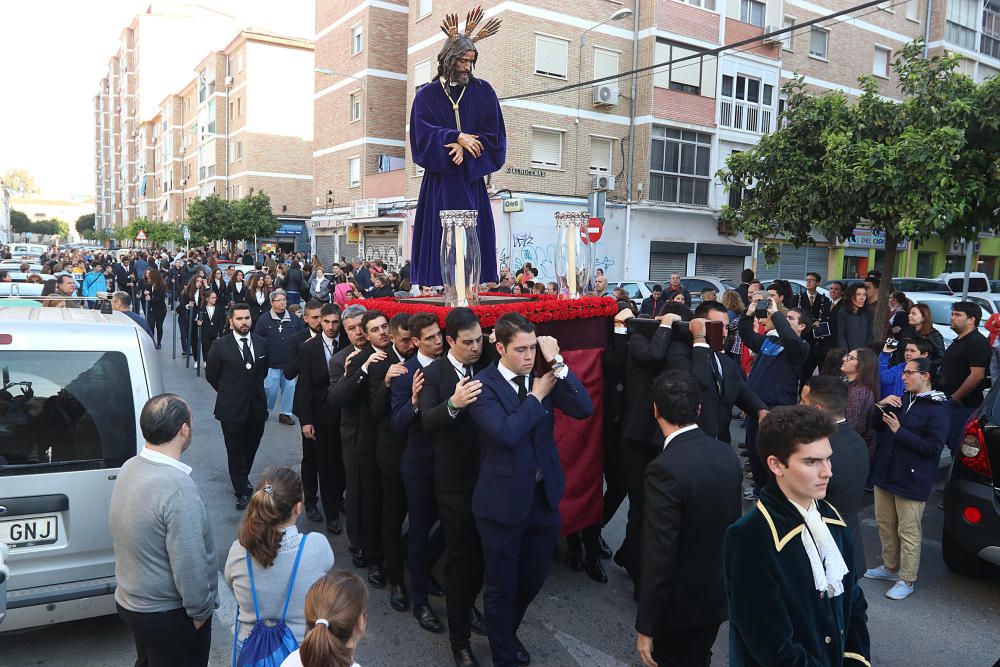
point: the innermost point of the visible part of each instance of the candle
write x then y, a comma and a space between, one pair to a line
571, 277
460, 265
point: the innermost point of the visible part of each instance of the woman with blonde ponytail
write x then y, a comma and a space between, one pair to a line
336, 619
269, 535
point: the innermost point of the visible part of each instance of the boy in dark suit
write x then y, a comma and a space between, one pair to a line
692, 495
236, 368
516, 501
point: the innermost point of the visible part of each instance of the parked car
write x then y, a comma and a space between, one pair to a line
799, 286
26, 250
695, 284
907, 285
637, 290
940, 305
970, 540
70, 419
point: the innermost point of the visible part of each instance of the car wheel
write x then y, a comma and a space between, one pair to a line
961, 561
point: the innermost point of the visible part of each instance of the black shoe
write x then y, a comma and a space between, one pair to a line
243, 501
399, 599
427, 619
157, 346
574, 553
464, 657
523, 657
603, 550
313, 513
333, 527
595, 571
434, 589
358, 558
376, 577
477, 622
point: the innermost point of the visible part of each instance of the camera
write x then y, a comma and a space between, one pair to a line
761, 312
891, 343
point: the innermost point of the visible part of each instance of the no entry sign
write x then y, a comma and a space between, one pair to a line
593, 231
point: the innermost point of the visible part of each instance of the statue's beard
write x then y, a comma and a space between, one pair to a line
460, 78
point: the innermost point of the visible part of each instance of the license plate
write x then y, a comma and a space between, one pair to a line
18, 533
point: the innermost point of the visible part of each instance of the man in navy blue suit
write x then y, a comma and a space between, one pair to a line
424, 548
516, 500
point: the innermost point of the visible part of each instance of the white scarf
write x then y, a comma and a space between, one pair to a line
825, 559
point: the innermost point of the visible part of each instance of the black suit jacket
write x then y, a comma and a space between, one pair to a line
239, 392
212, 327
295, 343
846, 489
819, 311
348, 413
313, 385
349, 392
456, 441
691, 496
389, 446
647, 358
717, 408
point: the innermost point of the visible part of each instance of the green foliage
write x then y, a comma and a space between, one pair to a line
161, 233
19, 222
926, 167
253, 217
85, 225
20, 181
214, 218
211, 217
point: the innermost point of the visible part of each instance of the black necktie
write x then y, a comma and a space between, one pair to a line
712, 362
247, 356
522, 387
468, 371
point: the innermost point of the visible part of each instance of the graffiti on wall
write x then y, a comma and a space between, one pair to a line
385, 251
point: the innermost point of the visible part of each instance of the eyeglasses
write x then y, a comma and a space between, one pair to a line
907, 373
848, 357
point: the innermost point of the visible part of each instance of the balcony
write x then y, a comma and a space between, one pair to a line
745, 116
990, 43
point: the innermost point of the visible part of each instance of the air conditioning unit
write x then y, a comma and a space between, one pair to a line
773, 39
605, 94
604, 182
229, 81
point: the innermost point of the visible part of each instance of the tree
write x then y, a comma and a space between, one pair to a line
19, 222
20, 181
161, 233
85, 225
254, 217
914, 170
211, 217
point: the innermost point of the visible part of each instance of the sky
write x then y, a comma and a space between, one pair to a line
54, 54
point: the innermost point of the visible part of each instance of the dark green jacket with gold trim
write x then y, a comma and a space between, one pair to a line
776, 615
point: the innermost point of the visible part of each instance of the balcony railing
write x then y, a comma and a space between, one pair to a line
990, 44
746, 116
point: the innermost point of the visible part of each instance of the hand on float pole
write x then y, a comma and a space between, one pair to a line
174, 327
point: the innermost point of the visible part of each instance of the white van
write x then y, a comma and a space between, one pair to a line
74, 382
25, 250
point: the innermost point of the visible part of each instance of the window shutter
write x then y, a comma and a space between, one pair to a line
355, 170
661, 75
687, 72
880, 67
605, 63
424, 7
421, 73
551, 55
546, 148
600, 155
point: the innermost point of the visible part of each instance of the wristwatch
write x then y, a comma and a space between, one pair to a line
556, 360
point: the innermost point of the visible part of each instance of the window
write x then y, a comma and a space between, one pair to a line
753, 12
232, 108
237, 191
424, 8
354, 172
551, 56
788, 23
210, 127
911, 10
94, 426
239, 106
704, 4
680, 166
546, 148
239, 151
747, 89
747, 104
735, 194
605, 63
421, 73
239, 62
600, 155
818, 42
357, 39
695, 75
963, 19
355, 105
880, 64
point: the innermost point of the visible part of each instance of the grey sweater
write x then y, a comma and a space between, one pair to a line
164, 555
272, 582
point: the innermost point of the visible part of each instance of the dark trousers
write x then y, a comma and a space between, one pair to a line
323, 460
393, 515
817, 352
760, 472
517, 560
168, 638
463, 570
155, 318
423, 548
371, 503
637, 456
242, 440
684, 647
614, 474
352, 487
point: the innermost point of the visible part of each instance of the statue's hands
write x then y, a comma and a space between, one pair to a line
455, 152
471, 143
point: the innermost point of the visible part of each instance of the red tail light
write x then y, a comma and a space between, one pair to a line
972, 453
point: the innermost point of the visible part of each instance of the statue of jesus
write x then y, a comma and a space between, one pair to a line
457, 135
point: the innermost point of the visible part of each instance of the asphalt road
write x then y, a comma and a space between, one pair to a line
949, 621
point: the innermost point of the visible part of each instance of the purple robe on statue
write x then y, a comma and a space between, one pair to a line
446, 186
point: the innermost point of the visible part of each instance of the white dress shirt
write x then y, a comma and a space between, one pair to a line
239, 343
160, 457
683, 429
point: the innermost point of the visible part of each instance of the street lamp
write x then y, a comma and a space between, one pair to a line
620, 14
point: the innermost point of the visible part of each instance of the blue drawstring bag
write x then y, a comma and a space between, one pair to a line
268, 644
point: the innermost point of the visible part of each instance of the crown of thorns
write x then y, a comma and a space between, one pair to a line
449, 26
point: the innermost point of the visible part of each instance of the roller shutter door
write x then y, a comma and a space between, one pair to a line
383, 244
348, 251
720, 266
325, 249
662, 264
794, 263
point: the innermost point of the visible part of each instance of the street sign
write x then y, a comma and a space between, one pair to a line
592, 234
141, 236
513, 205
187, 233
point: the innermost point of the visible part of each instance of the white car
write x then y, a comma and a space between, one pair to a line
940, 305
